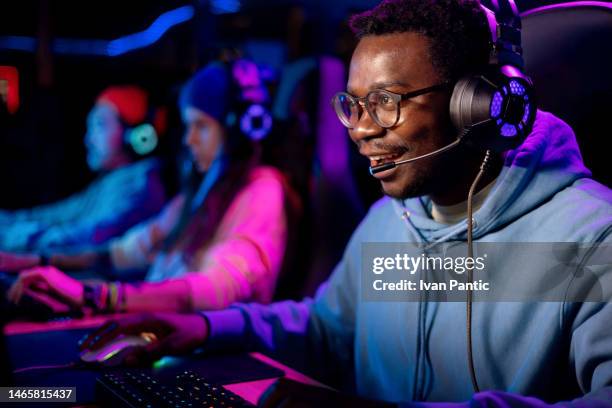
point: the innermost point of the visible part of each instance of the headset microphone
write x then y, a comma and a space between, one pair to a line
391, 165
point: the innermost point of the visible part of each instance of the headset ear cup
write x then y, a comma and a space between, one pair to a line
470, 102
492, 111
142, 139
456, 111
256, 122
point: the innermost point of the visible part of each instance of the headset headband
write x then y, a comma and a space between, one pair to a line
505, 26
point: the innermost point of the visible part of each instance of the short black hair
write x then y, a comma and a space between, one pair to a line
458, 32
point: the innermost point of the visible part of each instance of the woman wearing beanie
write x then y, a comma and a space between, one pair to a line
222, 240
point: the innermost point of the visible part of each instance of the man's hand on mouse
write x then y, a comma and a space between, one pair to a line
47, 280
287, 393
176, 334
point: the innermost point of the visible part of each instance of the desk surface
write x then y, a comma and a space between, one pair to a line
250, 391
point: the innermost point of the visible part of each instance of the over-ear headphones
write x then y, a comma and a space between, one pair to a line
142, 139
249, 111
496, 109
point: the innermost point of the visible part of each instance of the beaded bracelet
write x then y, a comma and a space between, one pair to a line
113, 295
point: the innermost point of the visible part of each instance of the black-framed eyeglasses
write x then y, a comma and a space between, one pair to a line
382, 105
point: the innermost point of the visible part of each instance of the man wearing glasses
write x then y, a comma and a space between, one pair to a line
522, 354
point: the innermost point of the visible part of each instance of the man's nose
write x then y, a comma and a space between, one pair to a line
365, 128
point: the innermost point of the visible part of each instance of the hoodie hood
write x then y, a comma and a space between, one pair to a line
547, 161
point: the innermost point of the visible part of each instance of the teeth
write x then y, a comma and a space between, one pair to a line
386, 156
382, 159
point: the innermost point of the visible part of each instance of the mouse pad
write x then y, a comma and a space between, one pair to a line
60, 347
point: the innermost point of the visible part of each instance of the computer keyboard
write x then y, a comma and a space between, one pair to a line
134, 388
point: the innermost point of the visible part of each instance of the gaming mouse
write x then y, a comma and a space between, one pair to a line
113, 352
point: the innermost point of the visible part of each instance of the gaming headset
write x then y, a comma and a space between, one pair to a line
248, 111
495, 109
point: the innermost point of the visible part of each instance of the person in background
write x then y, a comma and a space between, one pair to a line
418, 353
122, 128
221, 240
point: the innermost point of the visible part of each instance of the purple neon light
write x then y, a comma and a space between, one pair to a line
496, 105
572, 4
491, 21
515, 10
512, 72
508, 130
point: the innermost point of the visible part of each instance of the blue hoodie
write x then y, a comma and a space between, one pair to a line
525, 353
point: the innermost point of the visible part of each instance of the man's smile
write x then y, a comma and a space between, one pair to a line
380, 157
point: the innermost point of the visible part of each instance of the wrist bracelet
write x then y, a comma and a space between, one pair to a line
103, 296
113, 296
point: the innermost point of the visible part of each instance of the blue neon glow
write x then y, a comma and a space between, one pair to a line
224, 6
516, 88
152, 34
526, 114
111, 48
18, 43
508, 130
167, 361
495, 109
80, 47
